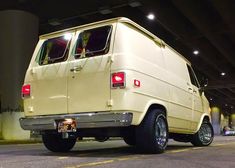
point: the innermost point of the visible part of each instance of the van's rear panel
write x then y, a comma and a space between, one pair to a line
77, 83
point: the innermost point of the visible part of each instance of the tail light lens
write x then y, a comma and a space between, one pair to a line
118, 80
25, 91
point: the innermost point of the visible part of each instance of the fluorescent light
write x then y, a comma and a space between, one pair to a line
151, 16
134, 4
105, 11
54, 22
195, 52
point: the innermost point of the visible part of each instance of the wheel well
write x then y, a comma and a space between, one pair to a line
158, 106
206, 118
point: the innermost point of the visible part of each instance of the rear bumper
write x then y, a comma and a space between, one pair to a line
83, 120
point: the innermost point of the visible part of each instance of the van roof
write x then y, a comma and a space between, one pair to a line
121, 20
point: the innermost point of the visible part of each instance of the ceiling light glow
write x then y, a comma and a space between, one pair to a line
195, 52
151, 16
222, 73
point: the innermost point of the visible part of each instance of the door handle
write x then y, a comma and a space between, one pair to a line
76, 69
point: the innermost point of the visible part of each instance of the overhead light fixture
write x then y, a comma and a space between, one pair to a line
222, 73
195, 52
54, 22
134, 4
151, 16
211, 99
105, 10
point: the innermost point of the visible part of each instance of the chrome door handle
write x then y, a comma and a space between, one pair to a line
76, 69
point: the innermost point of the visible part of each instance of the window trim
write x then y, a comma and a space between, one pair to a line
98, 52
193, 76
65, 55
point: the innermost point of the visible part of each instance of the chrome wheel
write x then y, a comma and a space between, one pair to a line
161, 131
152, 133
205, 134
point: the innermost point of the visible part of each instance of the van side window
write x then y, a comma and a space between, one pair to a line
54, 50
192, 76
93, 42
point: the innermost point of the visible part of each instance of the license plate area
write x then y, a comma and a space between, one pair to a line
67, 125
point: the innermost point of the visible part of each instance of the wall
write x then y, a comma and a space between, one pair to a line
11, 129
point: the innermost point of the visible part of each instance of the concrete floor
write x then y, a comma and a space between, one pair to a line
117, 154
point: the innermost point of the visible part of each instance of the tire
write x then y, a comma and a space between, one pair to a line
55, 143
204, 136
152, 133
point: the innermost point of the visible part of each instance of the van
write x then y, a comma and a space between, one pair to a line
113, 78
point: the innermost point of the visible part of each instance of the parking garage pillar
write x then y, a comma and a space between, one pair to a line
215, 118
18, 37
232, 119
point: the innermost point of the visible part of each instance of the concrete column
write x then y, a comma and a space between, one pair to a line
18, 37
232, 119
215, 117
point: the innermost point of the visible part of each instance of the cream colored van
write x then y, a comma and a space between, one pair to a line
113, 78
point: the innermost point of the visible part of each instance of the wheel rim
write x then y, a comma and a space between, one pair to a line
205, 134
161, 131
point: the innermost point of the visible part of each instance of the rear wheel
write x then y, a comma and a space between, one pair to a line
152, 133
55, 142
204, 136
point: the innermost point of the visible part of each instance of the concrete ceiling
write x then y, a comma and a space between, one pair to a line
204, 25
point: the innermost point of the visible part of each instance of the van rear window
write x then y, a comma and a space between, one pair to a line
93, 42
54, 50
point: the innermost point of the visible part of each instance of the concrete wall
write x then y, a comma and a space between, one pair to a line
11, 129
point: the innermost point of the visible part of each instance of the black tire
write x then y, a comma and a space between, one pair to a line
204, 136
55, 143
152, 133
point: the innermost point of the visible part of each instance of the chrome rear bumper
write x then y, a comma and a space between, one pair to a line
83, 120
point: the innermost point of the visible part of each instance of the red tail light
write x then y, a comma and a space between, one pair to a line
118, 80
25, 92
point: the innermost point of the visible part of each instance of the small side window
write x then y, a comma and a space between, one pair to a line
54, 50
192, 76
93, 42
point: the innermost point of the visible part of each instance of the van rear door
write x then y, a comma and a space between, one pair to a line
89, 71
48, 76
